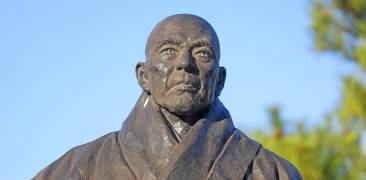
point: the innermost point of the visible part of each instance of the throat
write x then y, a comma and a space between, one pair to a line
178, 126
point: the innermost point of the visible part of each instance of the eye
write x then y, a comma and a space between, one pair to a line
168, 52
203, 53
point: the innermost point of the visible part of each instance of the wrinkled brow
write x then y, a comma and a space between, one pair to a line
201, 43
166, 41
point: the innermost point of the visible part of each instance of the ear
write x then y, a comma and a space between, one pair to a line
142, 77
220, 81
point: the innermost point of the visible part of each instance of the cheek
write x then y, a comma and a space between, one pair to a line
208, 73
159, 76
208, 80
161, 70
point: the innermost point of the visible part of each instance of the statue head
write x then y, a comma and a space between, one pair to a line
182, 73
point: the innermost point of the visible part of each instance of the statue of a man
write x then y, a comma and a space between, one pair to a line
178, 129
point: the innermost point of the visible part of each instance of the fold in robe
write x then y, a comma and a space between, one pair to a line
146, 148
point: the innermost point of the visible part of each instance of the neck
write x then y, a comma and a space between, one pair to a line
190, 119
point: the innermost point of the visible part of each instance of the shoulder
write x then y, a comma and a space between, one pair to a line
74, 162
267, 164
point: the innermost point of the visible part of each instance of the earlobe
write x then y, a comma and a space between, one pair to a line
142, 77
220, 81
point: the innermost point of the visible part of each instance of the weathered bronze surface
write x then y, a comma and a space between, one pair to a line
178, 128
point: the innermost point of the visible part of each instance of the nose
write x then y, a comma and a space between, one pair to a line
187, 63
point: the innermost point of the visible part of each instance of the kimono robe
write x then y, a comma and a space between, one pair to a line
148, 148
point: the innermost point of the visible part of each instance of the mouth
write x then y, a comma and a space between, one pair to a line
182, 87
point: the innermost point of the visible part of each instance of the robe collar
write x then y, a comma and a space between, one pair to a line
151, 150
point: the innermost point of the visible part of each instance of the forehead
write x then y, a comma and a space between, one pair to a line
181, 33
184, 29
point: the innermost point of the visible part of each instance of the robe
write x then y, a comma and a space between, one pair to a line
147, 148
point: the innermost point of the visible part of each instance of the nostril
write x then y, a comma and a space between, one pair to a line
179, 68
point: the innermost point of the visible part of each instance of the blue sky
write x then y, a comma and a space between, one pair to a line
67, 69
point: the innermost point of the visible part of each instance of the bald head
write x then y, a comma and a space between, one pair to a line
183, 27
182, 73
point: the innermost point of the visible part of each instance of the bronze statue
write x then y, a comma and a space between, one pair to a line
178, 128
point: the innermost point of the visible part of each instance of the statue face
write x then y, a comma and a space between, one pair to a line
182, 70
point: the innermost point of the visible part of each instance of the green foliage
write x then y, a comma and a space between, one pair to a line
340, 26
352, 110
324, 152
332, 149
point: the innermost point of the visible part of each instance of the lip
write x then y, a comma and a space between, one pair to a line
185, 87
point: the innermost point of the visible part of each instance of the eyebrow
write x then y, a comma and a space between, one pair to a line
172, 41
202, 43
166, 41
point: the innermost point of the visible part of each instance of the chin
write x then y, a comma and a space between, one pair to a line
184, 104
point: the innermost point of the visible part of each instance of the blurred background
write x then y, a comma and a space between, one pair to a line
295, 82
